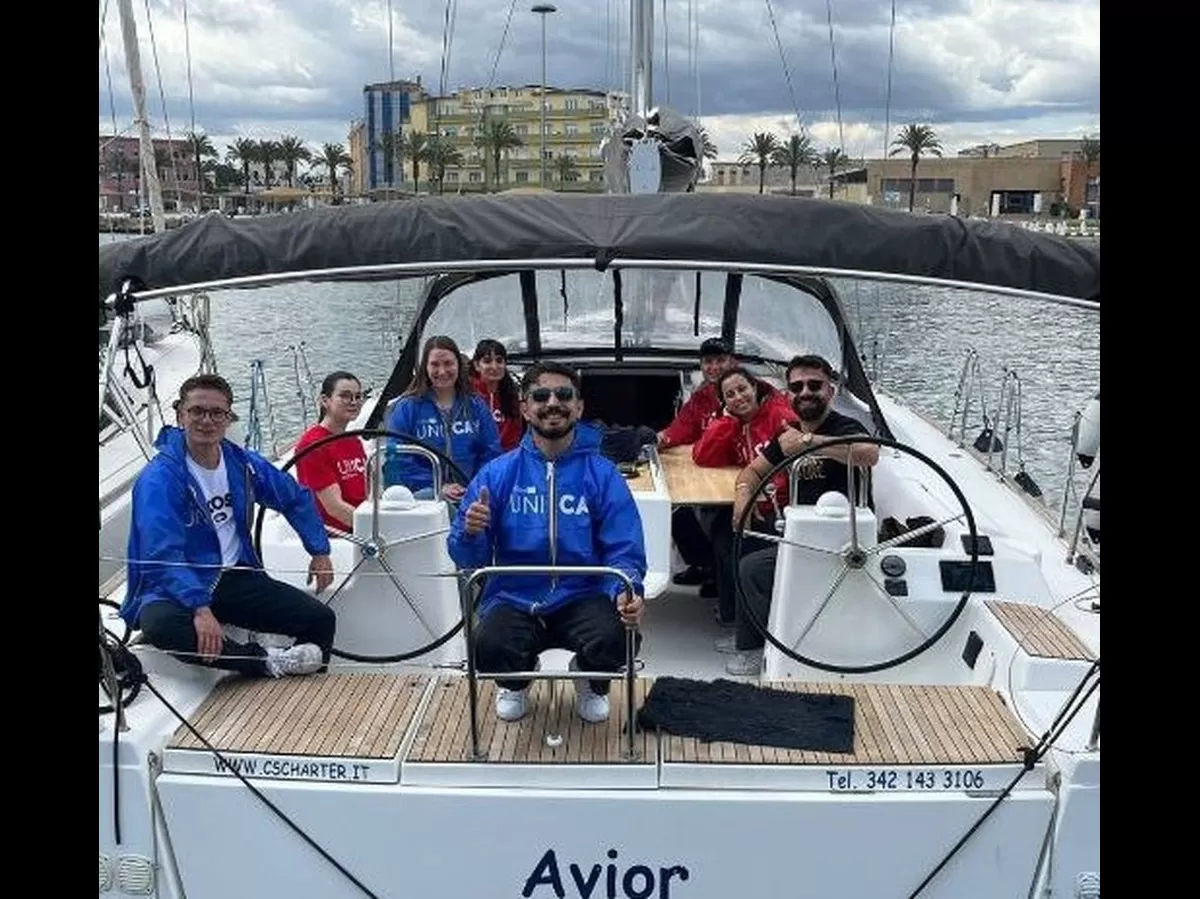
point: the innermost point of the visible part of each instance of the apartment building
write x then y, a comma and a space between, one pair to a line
121, 173
577, 120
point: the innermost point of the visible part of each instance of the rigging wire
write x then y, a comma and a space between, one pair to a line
696, 54
163, 97
887, 109
666, 56
787, 75
187, 54
447, 37
837, 95
103, 18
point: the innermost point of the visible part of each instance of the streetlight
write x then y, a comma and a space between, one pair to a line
542, 9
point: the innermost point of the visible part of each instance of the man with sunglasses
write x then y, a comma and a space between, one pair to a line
810, 381
554, 500
192, 565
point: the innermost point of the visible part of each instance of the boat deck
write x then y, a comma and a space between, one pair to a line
415, 729
1039, 632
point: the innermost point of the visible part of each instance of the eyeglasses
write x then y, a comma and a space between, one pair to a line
815, 385
350, 397
542, 394
199, 413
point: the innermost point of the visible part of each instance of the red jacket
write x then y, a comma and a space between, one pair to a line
729, 441
693, 417
511, 429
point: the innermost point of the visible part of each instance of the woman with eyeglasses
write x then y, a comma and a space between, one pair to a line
441, 410
753, 413
496, 385
335, 472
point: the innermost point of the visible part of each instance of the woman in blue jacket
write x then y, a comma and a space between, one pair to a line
441, 409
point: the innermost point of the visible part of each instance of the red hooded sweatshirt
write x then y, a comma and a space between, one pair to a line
729, 441
511, 429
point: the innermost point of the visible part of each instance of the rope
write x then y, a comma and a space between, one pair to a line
837, 95
163, 96
787, 75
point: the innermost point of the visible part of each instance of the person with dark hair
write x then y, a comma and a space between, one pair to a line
496, 385
337, 471
192, 565
441, 410
555, 500
696, 414
753, 414
811, 382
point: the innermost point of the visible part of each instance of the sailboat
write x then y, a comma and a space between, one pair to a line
959, 660
145, 353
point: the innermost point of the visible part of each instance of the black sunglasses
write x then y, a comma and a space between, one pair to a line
815, 385
562, 394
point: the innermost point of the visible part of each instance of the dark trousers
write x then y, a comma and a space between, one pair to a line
720, 524
246, 598
690, 539
508, 639
757, 570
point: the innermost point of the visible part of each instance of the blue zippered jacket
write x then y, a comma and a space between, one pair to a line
576, 510
471, 439
171, 525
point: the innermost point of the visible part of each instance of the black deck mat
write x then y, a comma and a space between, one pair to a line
729, 711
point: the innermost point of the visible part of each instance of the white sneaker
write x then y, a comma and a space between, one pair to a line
301, 658
745, 664
591, 706
511, 705
726, 644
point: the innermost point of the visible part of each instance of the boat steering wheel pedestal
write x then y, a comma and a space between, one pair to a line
862, 569
374, 548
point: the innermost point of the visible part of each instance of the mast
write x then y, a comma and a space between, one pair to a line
641, 56
133, 62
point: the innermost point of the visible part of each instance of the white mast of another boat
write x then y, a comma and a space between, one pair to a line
133, 62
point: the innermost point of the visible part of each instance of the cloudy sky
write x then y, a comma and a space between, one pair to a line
996, 71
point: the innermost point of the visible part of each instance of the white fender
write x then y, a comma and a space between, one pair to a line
1089, 432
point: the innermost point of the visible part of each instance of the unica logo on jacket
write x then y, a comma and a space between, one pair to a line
431, 428
528, 501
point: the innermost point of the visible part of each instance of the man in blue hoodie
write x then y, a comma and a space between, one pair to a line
554, 500
191, 563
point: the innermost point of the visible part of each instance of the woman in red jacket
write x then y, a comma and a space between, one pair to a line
753, 413
493, 382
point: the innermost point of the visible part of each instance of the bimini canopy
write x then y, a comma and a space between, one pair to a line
740, 230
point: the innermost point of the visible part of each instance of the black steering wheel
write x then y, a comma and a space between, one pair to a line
374, 549
857, 561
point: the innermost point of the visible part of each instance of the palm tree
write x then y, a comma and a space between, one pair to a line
120, 165
389, 143
833, 159
334, 157
797, 152
202, 150
243, 153
759, 150
292, 152
565, 169
441, 154
915, 139
268, 154
498, 136
709, 150
415, 145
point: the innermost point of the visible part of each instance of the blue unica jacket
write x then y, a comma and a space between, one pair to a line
466, 433
576, 510
171, 524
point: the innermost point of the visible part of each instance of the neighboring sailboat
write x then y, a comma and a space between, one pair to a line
145, 353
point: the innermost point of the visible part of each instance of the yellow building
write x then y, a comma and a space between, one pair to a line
357, 148
577, 120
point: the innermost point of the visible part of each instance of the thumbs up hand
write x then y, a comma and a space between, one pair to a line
479, 513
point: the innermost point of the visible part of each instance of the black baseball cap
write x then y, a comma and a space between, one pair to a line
715, 346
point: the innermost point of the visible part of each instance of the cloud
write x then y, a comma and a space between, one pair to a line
977, 70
